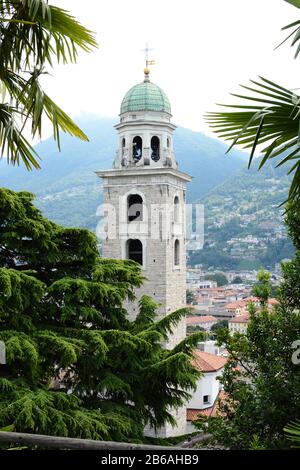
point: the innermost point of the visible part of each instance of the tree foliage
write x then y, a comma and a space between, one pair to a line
237, 280
34, 35
190, 297
219, 325
75, 365
219, 278
261, 381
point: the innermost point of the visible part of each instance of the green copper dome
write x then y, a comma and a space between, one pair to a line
145, 97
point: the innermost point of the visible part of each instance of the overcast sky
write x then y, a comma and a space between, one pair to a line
203, 50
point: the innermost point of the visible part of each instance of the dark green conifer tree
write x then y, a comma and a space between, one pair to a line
75, 365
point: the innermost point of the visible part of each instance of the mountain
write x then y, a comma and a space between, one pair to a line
244, 226
68, 190
244, 223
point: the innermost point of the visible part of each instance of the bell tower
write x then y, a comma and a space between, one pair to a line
144, 206
145, 133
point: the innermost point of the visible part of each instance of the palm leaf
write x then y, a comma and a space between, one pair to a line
295, 3
13, 143
293, 432
54, 33
295, 34
32, 35
272, 122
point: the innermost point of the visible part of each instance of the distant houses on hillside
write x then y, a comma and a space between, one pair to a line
239, 322
236, 312
224, 302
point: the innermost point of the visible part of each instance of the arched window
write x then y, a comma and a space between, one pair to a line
135, 251
176, 209
135, 207
137, 148
168, 142
123, 145
155, 148
176, 253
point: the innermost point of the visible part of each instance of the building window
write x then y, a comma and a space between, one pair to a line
123, 145
206, 399
135, 207
135, 251
168, 143
133, 116
137, 148
176, 209
155, 148
176, 253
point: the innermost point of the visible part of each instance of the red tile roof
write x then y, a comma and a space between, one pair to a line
200, 319
235, 305
206, 362
273, 302
193, 414
244, 302
240, 319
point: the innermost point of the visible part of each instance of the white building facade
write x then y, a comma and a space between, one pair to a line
207, 394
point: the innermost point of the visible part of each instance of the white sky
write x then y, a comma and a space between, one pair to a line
203, 50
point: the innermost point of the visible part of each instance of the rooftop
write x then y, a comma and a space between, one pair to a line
240, 319
243, 302
206, 362
145, 96
200, 319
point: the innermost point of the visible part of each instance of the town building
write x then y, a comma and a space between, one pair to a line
203, 321
239, 324
204, 401
207, 284
211, 346
240, 307
241, 317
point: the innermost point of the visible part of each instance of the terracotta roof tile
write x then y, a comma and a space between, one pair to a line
200, 319
193, 414
244, 302
273, 302
236, 304
240, 319
206, 362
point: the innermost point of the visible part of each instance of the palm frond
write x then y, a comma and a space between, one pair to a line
295, 33
13, 143
32, 35
293, 432
35, 27
295, 3
269, 118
